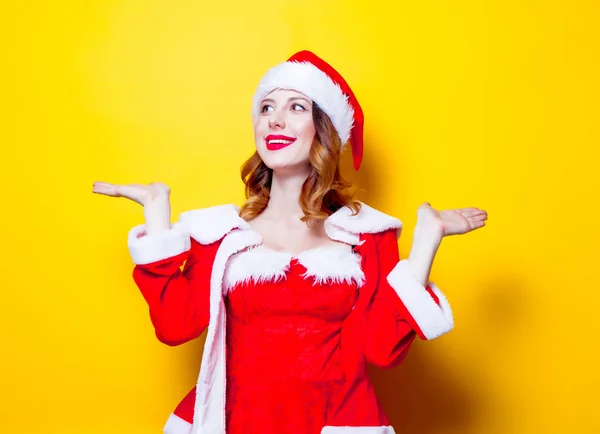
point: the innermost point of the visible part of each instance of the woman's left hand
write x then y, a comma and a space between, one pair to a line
451, 221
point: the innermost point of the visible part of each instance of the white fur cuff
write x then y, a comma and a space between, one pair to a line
145, 249
433, 320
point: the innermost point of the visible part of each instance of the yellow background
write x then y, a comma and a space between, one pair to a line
491, 104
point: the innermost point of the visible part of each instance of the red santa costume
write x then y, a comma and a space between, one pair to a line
289, 336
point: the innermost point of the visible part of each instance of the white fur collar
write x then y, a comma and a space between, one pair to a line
343, 226
208, 225
323, 265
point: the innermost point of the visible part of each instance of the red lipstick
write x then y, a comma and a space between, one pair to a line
277, 141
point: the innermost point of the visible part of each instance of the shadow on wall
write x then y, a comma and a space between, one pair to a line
423, 395
420, 398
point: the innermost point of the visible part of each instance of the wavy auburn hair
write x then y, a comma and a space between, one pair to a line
323, 192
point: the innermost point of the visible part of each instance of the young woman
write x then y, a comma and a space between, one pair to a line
302, 286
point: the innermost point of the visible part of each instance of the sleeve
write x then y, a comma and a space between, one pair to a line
178, 300
401, 308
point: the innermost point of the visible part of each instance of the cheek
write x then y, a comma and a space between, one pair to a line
259, 130
258, 126
307, 129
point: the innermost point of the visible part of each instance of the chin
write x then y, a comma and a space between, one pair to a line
280, 165
284, 165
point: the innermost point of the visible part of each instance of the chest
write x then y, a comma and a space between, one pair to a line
320, 282
293, 236
296, 297
320, 265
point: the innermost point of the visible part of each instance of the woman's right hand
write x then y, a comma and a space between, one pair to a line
140, 193
155, 198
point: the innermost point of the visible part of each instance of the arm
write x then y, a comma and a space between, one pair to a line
424, 247
178, 300
401, 308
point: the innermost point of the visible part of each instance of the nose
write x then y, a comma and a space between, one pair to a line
276, 120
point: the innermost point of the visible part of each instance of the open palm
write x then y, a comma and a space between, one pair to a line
453, 221
139, 193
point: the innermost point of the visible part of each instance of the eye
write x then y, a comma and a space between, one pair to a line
302, 108
265, 108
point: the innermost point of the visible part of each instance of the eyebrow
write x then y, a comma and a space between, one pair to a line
289, 99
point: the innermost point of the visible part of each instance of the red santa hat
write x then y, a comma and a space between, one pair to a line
310, 75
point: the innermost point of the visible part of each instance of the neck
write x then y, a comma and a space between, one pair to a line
284, 198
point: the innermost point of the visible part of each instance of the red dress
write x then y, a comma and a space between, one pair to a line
288, 338
283, 340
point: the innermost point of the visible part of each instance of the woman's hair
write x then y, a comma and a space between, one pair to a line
323, 192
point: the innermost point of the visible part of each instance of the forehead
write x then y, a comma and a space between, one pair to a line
285, 94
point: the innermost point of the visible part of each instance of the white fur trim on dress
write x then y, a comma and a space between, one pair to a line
209, 409
208, 225
433, 320
258, 265
358, 430
145, 249
323, 264
343, 226
306, 78
205, 225
176, 425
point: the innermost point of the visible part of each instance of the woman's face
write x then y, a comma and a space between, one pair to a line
284, 131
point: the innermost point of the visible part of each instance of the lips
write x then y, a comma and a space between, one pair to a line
276, 141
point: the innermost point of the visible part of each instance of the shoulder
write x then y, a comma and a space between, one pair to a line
207, 225
343, 226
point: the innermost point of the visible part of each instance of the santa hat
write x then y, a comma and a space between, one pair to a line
310, 75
